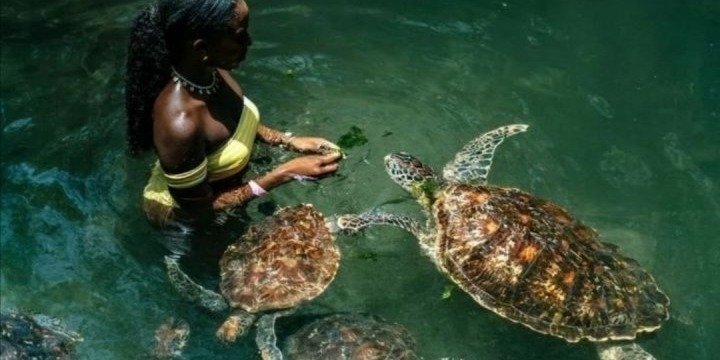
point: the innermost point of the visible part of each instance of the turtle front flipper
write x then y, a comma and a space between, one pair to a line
192, 291
353, 223
627, 351
265, 337
236, 325
471, 164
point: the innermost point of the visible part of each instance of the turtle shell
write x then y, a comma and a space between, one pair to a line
288, 258
530, 261
351, 336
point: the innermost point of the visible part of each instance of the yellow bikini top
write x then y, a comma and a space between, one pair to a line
229, 159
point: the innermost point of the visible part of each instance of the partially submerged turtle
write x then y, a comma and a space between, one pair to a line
170, 339
351, 337
24, 336
289, 258
524, 258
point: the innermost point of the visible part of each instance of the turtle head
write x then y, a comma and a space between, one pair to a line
412, 175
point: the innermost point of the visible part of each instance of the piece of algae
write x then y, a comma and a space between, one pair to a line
364, 255
352, 138
447, 291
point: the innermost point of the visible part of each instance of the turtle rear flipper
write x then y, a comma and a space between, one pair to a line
170, 339
471, 164
236, 325
58, 328
191, 290
629, 351
265, 337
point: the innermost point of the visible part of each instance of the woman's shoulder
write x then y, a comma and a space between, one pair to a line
177, 115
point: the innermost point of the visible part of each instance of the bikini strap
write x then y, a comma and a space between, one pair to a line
188, 178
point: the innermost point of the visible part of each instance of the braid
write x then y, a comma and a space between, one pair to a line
148, 70
158, 35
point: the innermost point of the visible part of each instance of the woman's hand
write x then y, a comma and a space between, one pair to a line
302, 168
313, 145
312, 166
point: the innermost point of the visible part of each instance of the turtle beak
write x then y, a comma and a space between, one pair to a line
388, 159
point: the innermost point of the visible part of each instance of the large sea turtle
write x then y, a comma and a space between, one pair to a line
289, 258
351, 337
524, 258
37, 336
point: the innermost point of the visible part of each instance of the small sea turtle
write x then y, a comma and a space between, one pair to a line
36, 336
289, 258
170, 339
351, 337
526, 259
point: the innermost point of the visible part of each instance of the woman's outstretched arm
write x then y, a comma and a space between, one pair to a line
309, 165
304, 144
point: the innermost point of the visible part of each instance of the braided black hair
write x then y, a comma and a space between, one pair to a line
156, 42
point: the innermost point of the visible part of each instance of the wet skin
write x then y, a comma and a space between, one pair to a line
187, 127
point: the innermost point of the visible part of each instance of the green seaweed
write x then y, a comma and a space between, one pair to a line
352, 138
425, 191
429, 188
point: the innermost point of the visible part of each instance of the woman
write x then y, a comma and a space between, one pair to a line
182, 102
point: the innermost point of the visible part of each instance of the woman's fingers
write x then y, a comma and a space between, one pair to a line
314, 145
311, 165
330, 158
327, 163
329, 145
330, 167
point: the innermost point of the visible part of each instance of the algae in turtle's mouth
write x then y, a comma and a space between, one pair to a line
425, 191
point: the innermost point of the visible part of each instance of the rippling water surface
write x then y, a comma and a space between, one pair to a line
622, 99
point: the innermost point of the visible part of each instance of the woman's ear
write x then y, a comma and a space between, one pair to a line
200, 45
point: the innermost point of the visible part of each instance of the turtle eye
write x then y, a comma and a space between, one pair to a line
418, 177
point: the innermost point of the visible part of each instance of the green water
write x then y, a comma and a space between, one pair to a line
623, 100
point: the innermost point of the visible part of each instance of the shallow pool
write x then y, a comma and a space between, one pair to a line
623, 100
